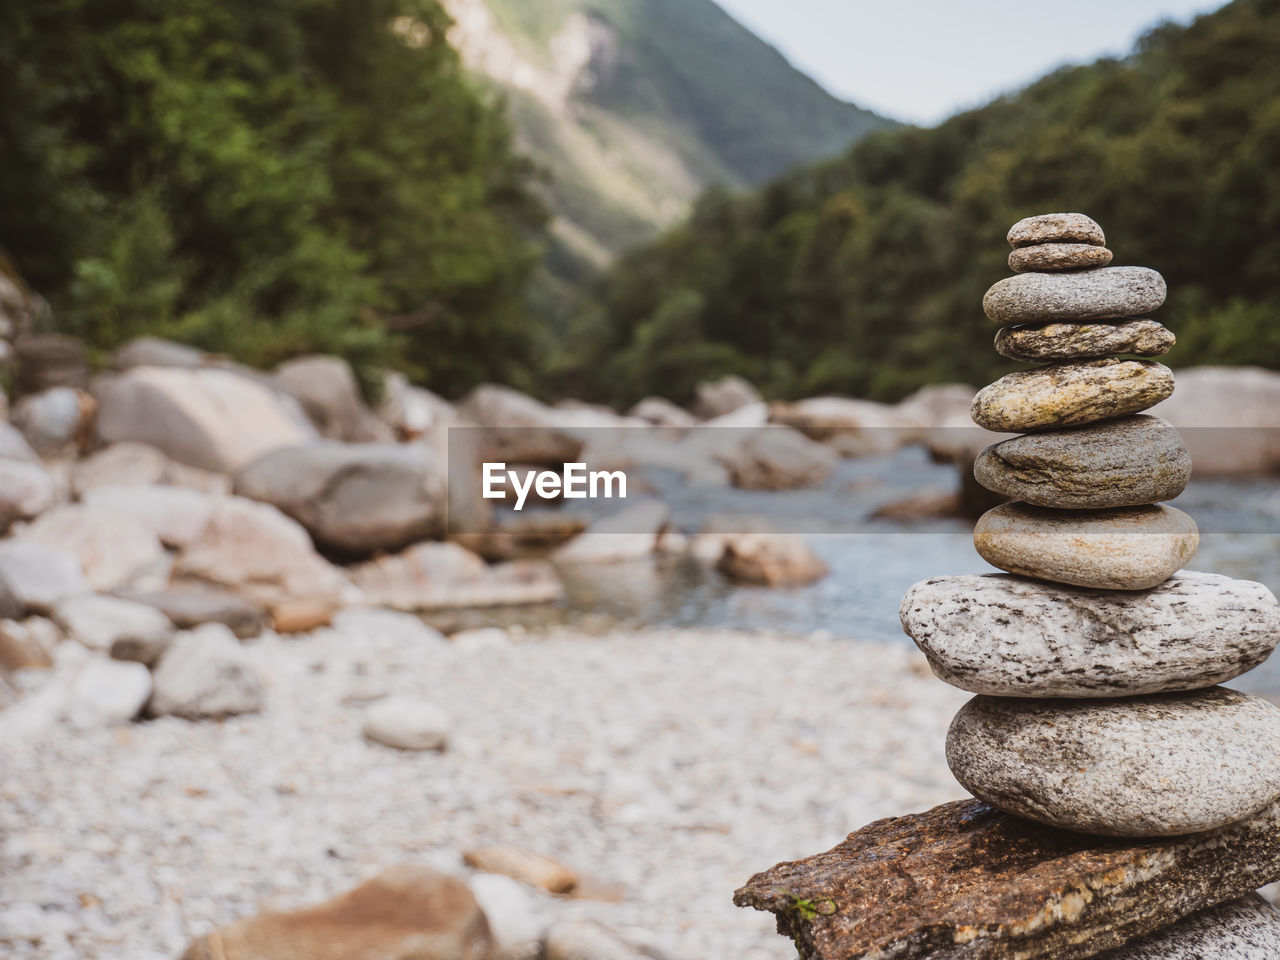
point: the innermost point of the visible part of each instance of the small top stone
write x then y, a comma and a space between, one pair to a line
1056, 228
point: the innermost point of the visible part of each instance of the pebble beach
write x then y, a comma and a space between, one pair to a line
665, 766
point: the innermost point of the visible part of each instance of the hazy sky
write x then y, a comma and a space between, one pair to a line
922, 60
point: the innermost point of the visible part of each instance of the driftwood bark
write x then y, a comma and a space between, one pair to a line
966, 882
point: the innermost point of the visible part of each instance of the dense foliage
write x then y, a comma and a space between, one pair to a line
265, 179
865, 275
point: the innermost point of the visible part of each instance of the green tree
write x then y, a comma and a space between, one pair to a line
865, 274
266, 179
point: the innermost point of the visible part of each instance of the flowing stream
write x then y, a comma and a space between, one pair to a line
871, 569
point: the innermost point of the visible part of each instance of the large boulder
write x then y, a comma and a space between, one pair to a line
938, 404
771, 559
114, 549
192, 605
632, 533
719, 397
519, 428
14, 446
137, 465
355, 498
99, 622
176, 515
464, 453
256, 550
215, 419
406, 913
155, 352
437, 576
36, 576
26, 490
1229, 418
778, 458
56, 420
411, 411
661, 412
327, 389
854, 428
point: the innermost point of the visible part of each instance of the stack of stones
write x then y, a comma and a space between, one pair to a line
1095, 659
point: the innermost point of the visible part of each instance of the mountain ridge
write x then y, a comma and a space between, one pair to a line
635, 106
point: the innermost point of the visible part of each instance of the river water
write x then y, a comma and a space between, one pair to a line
871, 570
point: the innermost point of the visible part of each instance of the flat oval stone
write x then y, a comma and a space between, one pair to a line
1119, 463
1132, 548
1079, 341
1056, 228
1244, 929
1102, 294
1162, 765
1007, 636
1056, 257
1070, 394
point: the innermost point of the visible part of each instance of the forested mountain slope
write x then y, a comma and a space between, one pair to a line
633, 106
864, 275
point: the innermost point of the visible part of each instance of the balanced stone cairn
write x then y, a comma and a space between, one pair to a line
1119, 789
1095, 661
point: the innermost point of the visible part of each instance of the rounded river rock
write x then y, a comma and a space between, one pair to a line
1120, 463
1057, 257
1102, 294
1070, 394
1082, 341
1132, 548
1056, 228
1162, 765
1008, 636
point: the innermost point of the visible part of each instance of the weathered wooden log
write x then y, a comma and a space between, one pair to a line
966, 882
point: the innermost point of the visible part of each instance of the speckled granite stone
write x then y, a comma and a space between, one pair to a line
1056, 228
1007, 636
1056, 257
1160, 765
1082, 341
1070, 394
1102, 294
1119, 463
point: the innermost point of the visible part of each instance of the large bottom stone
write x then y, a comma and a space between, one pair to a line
966, 882
1008, 636
1151, 766
1131, 548
1244, 929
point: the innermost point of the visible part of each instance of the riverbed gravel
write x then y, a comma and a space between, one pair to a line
668, 765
